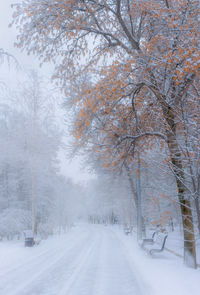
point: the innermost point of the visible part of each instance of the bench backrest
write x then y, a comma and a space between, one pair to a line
28, 233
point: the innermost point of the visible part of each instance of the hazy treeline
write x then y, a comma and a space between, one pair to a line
30, 139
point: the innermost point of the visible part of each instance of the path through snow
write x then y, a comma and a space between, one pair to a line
88, 261
92, 260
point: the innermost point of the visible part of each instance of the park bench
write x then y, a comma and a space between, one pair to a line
128, 230
28, 238
156, 243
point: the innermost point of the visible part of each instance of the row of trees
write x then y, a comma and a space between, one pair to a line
133, 68
111, 196
32, 192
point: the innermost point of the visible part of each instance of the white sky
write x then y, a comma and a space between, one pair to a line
7, 38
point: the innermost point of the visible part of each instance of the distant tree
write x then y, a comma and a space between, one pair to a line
20, 154
4, 55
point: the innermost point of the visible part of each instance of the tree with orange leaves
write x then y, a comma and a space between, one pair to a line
151, 49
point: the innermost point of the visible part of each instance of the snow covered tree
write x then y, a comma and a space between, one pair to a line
28, 159
152, 53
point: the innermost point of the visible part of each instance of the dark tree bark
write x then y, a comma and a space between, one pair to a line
185, 204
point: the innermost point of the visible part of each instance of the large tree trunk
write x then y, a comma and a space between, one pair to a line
196, 202
185, 204
188, 226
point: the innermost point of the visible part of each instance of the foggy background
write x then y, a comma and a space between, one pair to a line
12, 75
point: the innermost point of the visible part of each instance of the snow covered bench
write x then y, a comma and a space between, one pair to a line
128, 230
29, 240
156, 243
149, 241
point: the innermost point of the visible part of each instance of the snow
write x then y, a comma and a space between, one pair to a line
92, 259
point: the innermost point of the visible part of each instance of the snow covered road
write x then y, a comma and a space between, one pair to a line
92, 260
86, 261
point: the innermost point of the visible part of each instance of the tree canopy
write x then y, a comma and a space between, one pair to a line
131, 70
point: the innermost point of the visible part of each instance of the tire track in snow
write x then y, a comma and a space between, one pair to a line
25, 265
30, 261
125, 251
98, 262
15, 282
81, 266
114, 274
104, 271
89, 275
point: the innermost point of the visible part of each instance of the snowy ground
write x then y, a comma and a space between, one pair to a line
92, 260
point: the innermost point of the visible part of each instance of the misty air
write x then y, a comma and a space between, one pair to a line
99, 147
